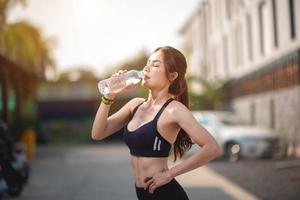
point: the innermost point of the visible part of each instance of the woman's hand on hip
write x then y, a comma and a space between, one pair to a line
158, 180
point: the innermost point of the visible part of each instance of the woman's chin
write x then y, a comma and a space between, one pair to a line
144, 83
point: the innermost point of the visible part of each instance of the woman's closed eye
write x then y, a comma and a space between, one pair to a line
155, 63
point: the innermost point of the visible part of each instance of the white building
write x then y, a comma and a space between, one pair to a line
255, 43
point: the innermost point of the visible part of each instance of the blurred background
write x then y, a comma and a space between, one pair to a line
243, 74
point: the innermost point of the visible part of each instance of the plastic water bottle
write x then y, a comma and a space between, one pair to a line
115, 83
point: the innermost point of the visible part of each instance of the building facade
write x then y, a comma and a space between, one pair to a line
256, 45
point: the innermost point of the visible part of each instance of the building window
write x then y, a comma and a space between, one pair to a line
214, 62
274, 7
228, 8
233, 49
272, 114
225, 54
209, 18
242, 3
236, 47
240, 44
292, 19
218, 15
249, 33
261, 26
252, 114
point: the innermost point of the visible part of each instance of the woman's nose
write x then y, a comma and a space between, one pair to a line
146, 68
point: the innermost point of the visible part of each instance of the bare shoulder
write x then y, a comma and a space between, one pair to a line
176, 106
177, 109
134, 102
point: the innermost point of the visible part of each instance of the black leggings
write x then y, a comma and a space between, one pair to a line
171, 190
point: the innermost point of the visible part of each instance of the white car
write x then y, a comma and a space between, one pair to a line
238, 140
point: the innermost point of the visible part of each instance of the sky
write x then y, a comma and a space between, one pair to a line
102, 33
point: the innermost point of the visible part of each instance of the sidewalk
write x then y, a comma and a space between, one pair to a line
103, 172
204, 180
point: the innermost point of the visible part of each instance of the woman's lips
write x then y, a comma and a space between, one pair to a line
146, 77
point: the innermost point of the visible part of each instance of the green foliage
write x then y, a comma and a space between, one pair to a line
66, 131
138, 62
212, 96
77, 74
6, 6
19, 125
23, 43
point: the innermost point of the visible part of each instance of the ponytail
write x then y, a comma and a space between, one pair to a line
183, 97
183, 141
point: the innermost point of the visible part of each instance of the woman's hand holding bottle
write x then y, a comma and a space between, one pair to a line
119, 82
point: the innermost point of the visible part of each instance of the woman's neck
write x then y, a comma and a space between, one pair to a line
158, 97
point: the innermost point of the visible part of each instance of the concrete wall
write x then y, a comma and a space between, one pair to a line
256, 110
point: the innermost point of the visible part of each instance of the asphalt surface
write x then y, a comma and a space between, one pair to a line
103, 172
265, 178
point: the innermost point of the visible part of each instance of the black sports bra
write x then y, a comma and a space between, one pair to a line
146, 141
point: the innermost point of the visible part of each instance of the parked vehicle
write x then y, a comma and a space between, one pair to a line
238, 140
14, 167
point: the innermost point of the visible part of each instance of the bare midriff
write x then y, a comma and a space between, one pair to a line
144, 168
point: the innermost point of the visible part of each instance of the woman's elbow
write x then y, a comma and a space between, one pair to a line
216, 150
96, 136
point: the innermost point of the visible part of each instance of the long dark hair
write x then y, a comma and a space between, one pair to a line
174, 61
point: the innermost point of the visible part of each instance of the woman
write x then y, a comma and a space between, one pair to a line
153, 126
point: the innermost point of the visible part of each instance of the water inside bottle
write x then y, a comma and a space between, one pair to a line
118, 82
111, 85
103, 89
133, 81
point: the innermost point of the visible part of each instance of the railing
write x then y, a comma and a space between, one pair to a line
281, 73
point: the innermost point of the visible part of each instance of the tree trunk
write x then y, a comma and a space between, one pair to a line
4, 89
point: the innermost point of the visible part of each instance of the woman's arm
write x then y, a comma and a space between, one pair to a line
105, 126
210, 149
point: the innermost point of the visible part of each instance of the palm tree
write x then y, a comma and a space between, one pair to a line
24, 45
5, 7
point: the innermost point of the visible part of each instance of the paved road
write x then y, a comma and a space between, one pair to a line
103, 172
268, 179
